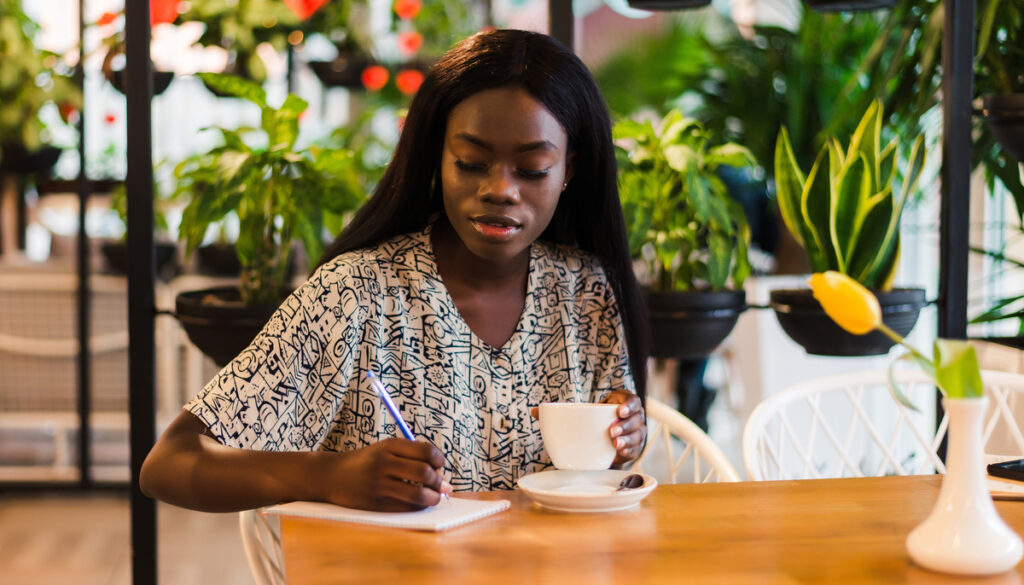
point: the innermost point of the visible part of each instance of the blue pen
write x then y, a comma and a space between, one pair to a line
390, 405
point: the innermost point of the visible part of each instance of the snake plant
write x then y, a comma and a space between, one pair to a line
846, 211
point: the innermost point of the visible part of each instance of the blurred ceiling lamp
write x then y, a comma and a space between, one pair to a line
668, 4
747, 14
848, 5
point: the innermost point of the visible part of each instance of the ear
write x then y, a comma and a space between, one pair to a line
570, 167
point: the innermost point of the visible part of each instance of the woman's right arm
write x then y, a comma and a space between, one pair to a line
189, 468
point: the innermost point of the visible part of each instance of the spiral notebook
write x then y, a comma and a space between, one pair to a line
454, 512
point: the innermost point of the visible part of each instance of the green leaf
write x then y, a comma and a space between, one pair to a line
849, 198
866, 140
679, 156
815, 207
719, 256
883, 264
894, 387
235, 86
956, 369
869, 245
732, 155
887, 164
789, 187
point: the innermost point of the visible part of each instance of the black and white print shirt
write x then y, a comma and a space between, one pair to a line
301, 385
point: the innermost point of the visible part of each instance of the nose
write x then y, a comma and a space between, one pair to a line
500, 186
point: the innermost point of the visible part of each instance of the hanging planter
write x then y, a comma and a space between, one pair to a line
806, 323
115, 252
692, 324
18, 161
345, 70
668, 4
218, 323
1004, 114
849, 5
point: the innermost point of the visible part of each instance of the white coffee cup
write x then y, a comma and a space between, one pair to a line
576, 434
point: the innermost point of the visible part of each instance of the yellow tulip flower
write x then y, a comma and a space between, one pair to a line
846, 301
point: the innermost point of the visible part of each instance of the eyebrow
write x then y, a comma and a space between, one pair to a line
538, 145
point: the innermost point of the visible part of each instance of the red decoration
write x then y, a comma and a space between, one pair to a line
409, 42
304, 8
162, 11
68, 113
109, 119
408, 81
374, 77
407, 9
107, 18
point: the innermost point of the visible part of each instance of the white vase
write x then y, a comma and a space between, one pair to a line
964, 534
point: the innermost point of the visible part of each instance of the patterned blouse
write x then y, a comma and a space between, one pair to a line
301, 385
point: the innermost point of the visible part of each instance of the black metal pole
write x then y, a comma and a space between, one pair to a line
84, 296
141, 303
561, 21
954, 222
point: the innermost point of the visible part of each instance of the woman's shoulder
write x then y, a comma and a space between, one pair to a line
376, 259
571, 260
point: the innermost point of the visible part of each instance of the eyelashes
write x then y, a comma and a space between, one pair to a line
482, 168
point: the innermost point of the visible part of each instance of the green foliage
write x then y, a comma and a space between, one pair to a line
744, 90
1010, 307
30, 78
679, 216
280, 193
845, 212
911, 41
239, 26
953, 366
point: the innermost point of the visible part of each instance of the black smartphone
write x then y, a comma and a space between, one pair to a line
1008, 469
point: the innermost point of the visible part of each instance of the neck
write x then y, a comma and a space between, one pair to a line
456, 263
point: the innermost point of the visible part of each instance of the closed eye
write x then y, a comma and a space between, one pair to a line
470, 167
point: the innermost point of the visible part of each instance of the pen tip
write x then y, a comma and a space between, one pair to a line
369, 374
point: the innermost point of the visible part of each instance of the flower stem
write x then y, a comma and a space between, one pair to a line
898, 339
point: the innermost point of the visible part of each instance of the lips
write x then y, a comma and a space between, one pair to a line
495, 226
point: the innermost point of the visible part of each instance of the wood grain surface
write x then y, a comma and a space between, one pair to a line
812, 531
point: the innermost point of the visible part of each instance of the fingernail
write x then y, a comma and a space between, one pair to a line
446, 488
624, 410
616, 430
620, 443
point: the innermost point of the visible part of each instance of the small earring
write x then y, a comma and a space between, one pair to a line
565, 185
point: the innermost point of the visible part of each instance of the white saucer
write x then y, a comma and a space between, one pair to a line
584, 491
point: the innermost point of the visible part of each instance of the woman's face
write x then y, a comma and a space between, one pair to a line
504, 165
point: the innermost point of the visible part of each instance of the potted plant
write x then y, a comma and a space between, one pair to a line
239, 27
32, 79
115, 251
684, 230
281, 195
113, 45
845, 213
999, 73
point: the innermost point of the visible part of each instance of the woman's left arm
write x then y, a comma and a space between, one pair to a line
629, 432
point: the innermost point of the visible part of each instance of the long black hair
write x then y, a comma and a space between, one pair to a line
588, 215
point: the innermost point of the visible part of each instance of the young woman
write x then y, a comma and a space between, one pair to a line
488, 273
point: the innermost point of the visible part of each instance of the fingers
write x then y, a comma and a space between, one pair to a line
629, 433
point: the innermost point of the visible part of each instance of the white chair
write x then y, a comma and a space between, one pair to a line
38, 376
850, 426
262, 542
669, 433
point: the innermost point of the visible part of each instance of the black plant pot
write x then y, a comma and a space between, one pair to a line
668, 4
96, 186
18, 161
848, 5
691, 324
1004, 114
116, 255
217, 322
1016, 342
346, 70
161, 80
803, 319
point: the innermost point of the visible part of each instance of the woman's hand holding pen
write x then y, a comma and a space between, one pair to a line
630, 432
394, 475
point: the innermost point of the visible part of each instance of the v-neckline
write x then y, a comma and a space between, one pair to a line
528, 305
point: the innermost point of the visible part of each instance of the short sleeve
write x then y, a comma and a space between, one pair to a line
282, 392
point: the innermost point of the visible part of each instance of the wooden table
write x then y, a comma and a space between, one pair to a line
813, 531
